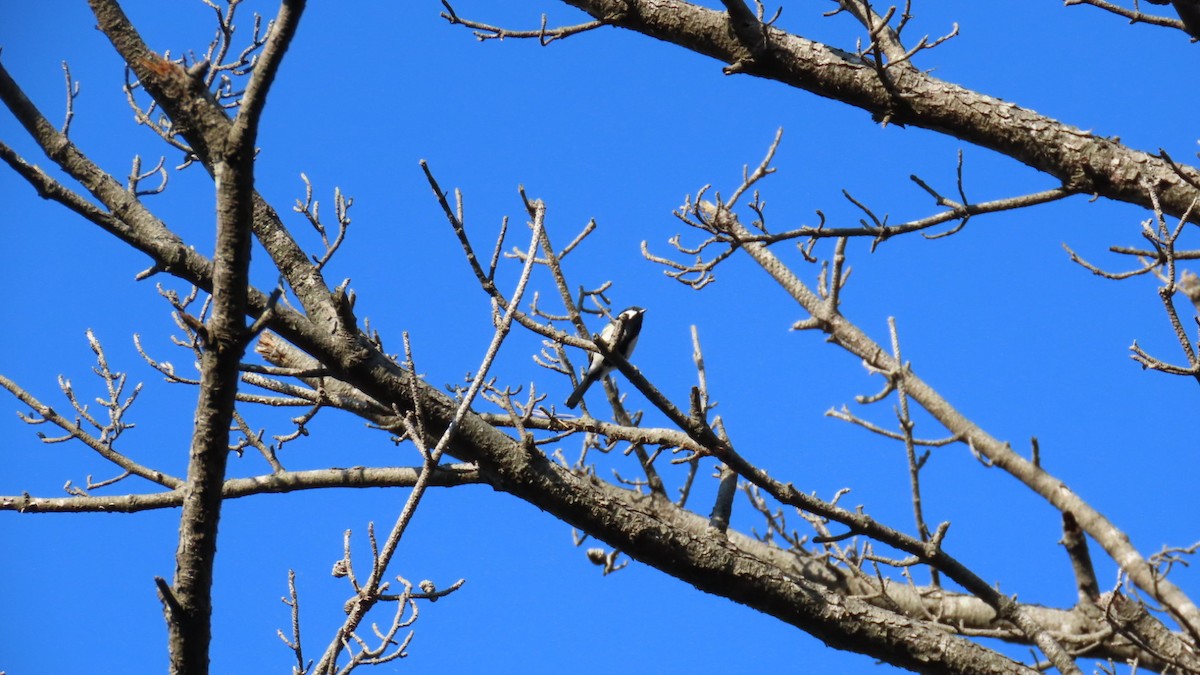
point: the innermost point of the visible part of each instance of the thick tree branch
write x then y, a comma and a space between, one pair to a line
189, 603
1081, 160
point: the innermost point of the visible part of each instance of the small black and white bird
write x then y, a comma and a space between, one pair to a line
619, 336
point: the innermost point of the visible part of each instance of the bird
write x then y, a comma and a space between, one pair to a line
620, 336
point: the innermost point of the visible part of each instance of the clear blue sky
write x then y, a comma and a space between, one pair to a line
613, 126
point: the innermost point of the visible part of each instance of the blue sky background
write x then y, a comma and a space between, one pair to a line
613, 126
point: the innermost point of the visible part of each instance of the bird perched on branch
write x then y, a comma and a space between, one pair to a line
620, 337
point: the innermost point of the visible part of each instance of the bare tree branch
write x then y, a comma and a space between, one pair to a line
1081, 160
446, 475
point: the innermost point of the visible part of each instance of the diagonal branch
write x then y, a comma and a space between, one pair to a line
105, 450
1078, 158
1134, 15
368, 594
1049, 487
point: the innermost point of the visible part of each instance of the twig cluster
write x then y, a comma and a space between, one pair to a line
1161, 262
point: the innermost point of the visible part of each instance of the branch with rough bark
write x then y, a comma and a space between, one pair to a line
1082, 161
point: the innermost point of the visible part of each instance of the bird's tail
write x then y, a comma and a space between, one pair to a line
577, 395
